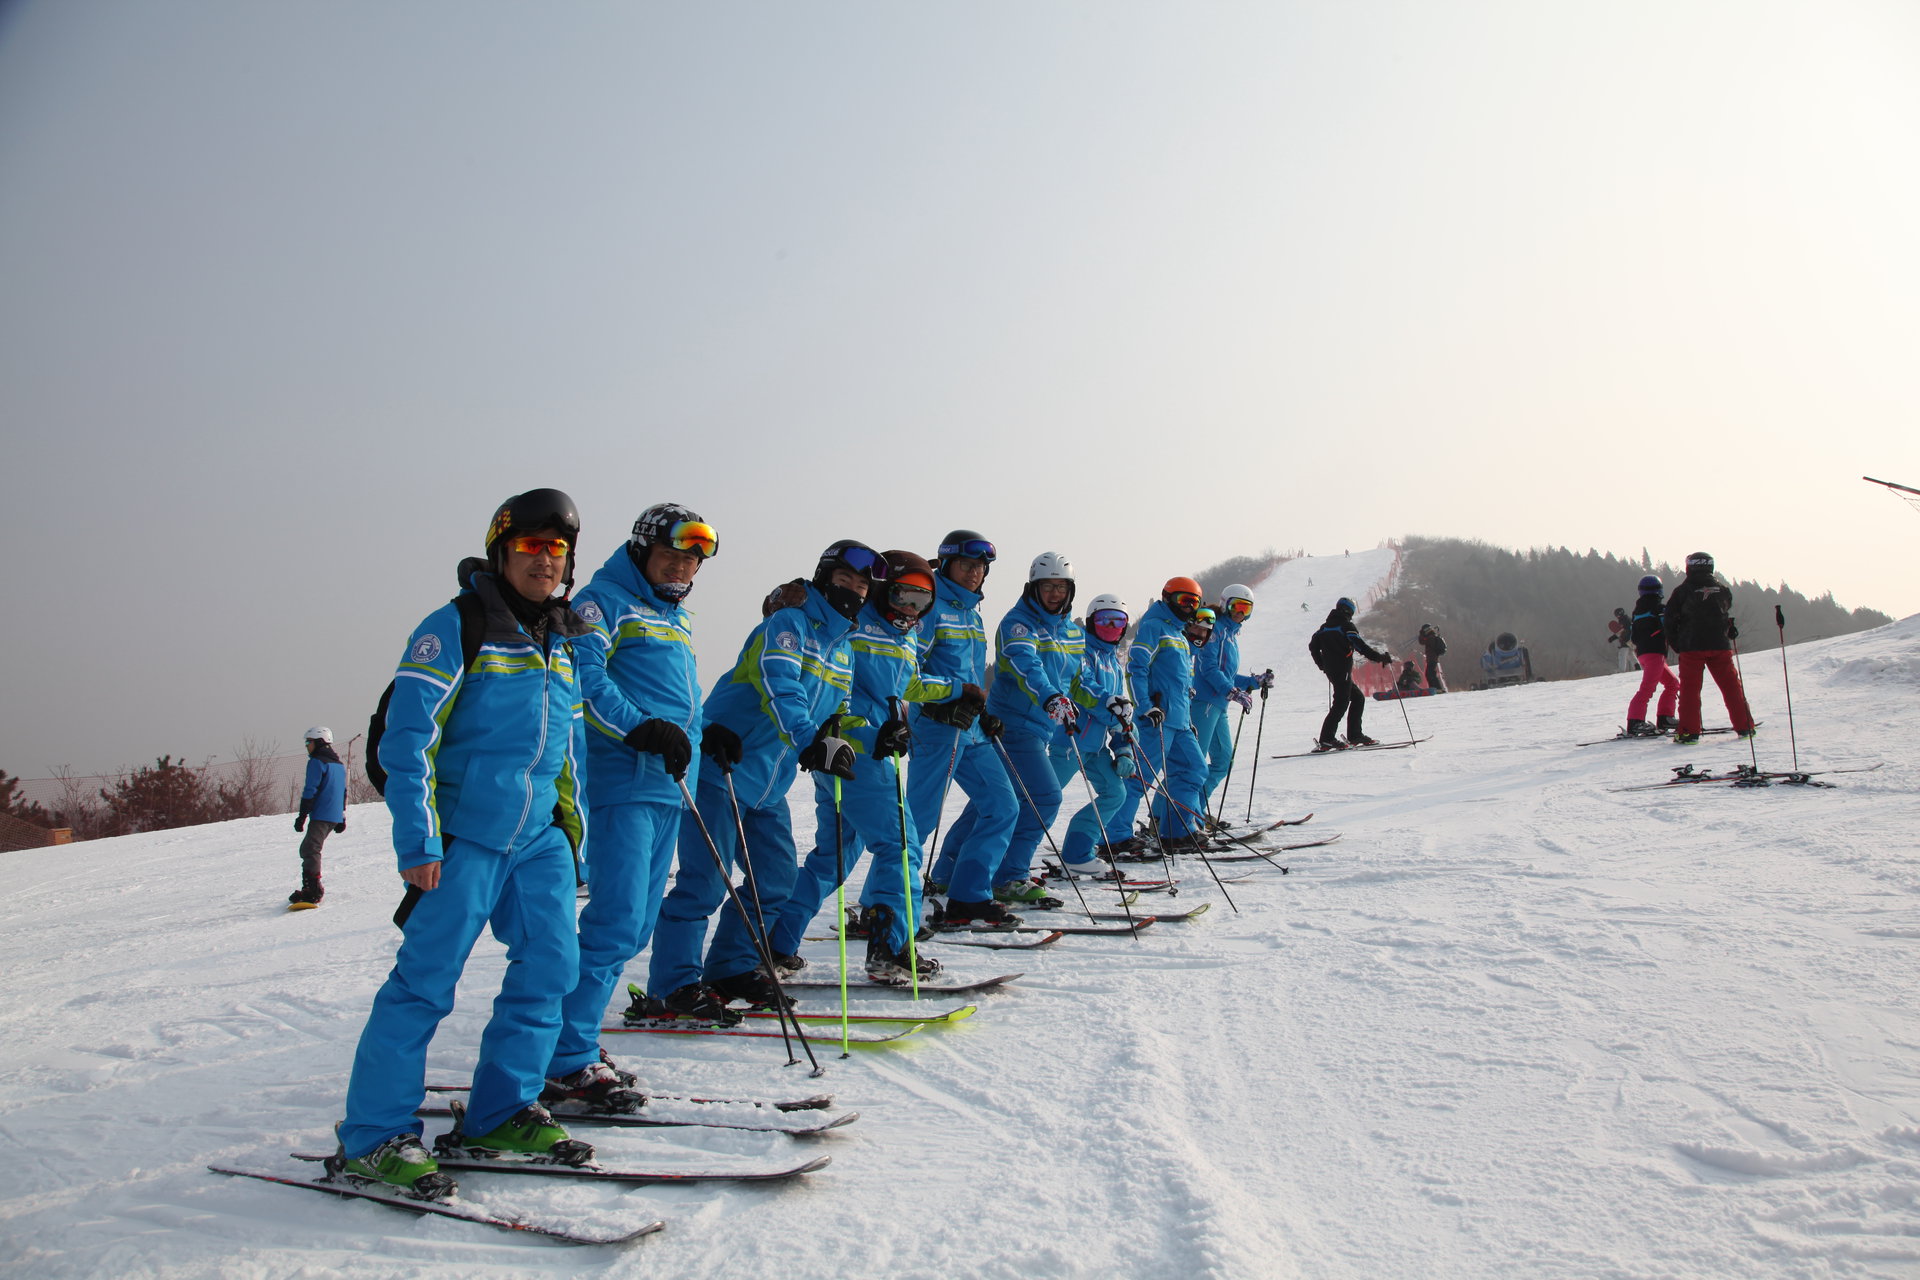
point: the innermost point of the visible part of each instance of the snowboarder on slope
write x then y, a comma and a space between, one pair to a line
1332, 648
1700, 628
483, 781
774, 711
642, 707
323, 811
1649, 638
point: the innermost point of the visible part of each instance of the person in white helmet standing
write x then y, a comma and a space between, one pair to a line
1102, 742
1217, 682
323, 811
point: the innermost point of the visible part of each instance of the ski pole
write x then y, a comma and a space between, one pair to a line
1741, 676
1102, 827
1007, 759
1403, 717
1259, 733
1780, 622
1146, 793
726, 882
763, 936
1160, 785
940, 812
907, 895
840, 912
1226, 783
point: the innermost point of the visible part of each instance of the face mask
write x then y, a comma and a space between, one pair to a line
672, 592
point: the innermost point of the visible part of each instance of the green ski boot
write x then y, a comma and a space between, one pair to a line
400, 1162
1027, 893
530, 1132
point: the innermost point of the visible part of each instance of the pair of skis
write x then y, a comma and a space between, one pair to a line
1747, 776
1319, 750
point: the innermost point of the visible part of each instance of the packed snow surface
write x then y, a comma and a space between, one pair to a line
1516, 1023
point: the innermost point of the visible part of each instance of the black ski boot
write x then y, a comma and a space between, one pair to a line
753, 987
1669, 724
1641, 729
884, 964
696, 1002
1361, 740
595, 1086
989, 914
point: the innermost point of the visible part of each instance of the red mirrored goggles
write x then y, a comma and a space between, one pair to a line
1183, 600
530, 546
1239, 609
694, 535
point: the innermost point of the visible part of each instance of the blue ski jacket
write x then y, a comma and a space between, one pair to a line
491, 753
1102, 676
953, 643
1036, 656
795, 670
1216, 667
636, 664
1160, 666
886, 665
324, 795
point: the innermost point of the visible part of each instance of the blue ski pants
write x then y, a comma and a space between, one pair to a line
967, 860
869, 821
1213, 726
1186, 772
699, 889
632, 852
527, 896
1093, 823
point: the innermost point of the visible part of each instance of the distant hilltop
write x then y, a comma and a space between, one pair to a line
1556, 601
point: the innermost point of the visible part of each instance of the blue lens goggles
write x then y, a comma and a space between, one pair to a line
861, 560
971, 549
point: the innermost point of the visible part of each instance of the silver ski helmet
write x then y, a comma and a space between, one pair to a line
1050, 566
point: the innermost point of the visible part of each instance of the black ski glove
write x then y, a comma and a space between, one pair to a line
667, 740
300, 823
991, 725
828, 754
962, 711
342, 824
894, 739
1155, 716
723, 744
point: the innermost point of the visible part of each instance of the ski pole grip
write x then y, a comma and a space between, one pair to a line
1779, 618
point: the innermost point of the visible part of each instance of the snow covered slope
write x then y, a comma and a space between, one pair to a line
1515, 1024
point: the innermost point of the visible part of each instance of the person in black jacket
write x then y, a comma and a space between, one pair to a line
1332, 648
1647, 633
1700, 628
1435, 647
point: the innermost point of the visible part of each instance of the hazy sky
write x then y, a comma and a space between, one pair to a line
293, 294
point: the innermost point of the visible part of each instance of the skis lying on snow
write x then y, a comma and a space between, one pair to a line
467, 1159
1258, 829
1746, 775
441, 1208
1139, 923
861, 983
1328, 751
1162, 916
663, 1111
1665, 735
1046, 938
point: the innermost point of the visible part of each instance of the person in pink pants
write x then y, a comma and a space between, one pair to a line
1650, 646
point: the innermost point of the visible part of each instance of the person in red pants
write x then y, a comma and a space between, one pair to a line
1700, 628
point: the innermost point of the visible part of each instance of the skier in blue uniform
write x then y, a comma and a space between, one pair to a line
1160, 671
769, 714
1099, 742
1217, 682
870, 815
950, 748
323, 811
642, 698
483, 770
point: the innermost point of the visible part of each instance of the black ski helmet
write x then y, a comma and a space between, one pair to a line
531, 511
848, 553
1701, 561
657, 522
967, 544
1344, 605
1649, 584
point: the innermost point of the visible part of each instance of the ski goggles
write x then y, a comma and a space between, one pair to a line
971, 549
1186, 600
862, 560
1239, 609
530, 546
694, 535
1203, 617
1108, 624
913, 600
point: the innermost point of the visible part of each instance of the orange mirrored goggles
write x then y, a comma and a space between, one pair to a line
528, 546
1183, 600
1239, 610
694, 535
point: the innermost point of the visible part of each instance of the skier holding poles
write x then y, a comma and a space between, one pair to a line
1217, 681
1332, 648
872, 815
1105, 759
1160, 673
793, 672
641, 691
1700, 628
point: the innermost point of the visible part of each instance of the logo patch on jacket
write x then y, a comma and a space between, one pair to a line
425, 649
1016, 630
789, 641
590, 612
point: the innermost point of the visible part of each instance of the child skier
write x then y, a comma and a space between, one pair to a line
1650, 647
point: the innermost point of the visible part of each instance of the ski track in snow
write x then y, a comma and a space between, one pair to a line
1513, 1025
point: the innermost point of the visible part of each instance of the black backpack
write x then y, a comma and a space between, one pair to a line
473, 630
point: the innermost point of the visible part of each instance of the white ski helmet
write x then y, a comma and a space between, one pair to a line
1050, 566
1228, 594
319, 733
1104, 601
